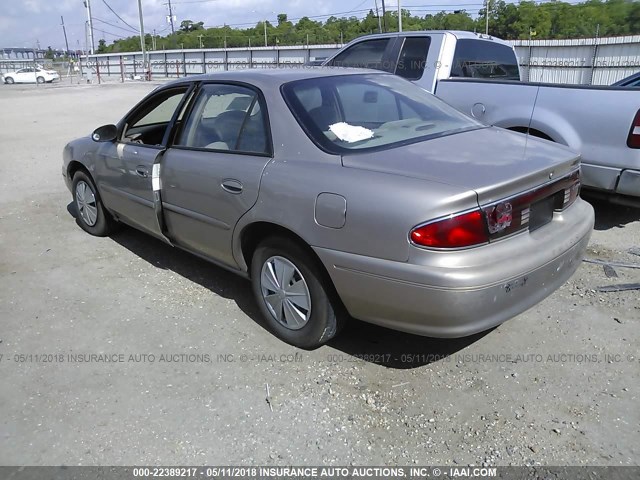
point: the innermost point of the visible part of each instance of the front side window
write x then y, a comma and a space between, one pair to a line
226, 117
484, 59
149, 122
351, 113
366, 54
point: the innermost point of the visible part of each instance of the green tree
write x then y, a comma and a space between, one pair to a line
551, 19
189, 26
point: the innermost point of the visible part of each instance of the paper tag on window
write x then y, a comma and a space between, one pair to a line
350, 133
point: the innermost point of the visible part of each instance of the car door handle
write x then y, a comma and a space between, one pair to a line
231, 186
142, 171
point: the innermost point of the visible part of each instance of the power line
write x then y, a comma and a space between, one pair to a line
195, 1
116, 26
118, 35
297, 18
360, 4
121, 19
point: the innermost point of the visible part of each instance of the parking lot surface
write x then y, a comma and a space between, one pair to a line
122, 350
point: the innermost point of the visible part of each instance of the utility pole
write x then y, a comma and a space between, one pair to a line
399, 17
91, 47
200, 38
86, 51
142, 42
171, 17
384, 18
265, 33
66, 42
486, 15
153, 40
379, 20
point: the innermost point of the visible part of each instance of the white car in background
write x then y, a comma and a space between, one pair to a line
31, 75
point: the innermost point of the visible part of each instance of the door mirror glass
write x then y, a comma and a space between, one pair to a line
106, 133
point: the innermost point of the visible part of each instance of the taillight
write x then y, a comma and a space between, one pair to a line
456, 231
499, 216
633, 140
571, 193
500, 219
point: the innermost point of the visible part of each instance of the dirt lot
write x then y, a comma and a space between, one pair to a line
558, 385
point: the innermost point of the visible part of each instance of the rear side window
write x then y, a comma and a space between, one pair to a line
413, 58
366, 54
484, 59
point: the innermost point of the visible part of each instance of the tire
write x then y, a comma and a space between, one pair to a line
9, 80
92, 217
40, 80
320, 322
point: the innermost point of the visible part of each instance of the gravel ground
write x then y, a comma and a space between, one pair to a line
558, 385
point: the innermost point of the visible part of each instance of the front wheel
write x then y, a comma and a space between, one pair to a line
292, 294
92, 217
40, 79
9, 80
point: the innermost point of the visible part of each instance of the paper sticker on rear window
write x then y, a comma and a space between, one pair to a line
350, 133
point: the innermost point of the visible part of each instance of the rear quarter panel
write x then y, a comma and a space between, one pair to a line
504, 104
381, 208
594, 121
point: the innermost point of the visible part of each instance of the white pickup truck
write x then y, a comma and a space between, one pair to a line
480, 76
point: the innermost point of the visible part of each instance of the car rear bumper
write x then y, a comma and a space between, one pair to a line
455, 294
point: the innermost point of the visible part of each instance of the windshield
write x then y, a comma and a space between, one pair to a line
351, 113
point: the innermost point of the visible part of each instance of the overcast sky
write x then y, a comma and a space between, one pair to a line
25, 22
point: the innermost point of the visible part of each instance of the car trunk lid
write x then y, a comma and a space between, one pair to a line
493, 162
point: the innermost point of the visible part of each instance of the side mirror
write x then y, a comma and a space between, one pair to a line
106, 133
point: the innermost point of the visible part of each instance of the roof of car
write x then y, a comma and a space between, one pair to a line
276, 76
459, 34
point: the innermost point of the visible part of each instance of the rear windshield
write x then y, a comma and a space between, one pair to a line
352, 113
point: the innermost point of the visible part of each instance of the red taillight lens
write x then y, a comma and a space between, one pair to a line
464, 230
633, 140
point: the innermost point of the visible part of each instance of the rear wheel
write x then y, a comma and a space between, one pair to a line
92, 217
9, 80
292, 294
40, 79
